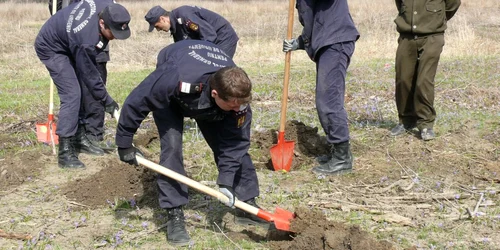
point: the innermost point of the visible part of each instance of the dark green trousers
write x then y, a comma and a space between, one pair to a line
416, 64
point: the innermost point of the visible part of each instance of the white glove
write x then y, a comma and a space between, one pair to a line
290, 45
228, 191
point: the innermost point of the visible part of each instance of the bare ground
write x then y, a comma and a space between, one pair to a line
392, 198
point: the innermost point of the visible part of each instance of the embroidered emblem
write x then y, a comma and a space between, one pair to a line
124, 26
191, 25
241, 121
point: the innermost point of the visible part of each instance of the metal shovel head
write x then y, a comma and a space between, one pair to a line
44, 131
282, 219
282, 154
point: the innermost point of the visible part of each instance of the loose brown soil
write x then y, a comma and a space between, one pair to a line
137, 184
114, 180
313, 231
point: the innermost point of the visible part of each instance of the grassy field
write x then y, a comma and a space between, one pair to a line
442, 194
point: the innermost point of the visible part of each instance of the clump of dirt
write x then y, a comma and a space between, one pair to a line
308, 144
314, 231
17, 169
117, 180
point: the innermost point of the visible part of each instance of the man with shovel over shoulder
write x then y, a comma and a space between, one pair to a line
329, 36
68, 44
195, 79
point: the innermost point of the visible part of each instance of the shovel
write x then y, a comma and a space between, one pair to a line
282, 153
281, 217
46, 132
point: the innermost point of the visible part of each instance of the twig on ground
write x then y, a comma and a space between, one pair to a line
77, 204
147, 232
226, 236
478, 203
203, 204
3, 234
484, 178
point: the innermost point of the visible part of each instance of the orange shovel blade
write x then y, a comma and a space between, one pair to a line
282, 153
282, 219
43, 131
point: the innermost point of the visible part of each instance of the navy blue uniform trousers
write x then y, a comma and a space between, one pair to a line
70, 92
170, 123
331, 68
94, 110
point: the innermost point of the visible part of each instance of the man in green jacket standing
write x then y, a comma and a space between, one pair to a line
421, 25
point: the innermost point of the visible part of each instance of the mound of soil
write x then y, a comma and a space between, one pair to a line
314, 231
308, 144
17, 169
117, 180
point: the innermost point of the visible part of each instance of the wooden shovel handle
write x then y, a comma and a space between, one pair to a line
196, 185
288, 56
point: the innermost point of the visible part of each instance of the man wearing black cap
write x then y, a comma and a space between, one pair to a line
193, 22
67, 44
94, 112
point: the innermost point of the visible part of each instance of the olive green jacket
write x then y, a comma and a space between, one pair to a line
424, 17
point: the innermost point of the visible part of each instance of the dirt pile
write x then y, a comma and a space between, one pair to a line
308, 144
17, 169
117, 180
314, 231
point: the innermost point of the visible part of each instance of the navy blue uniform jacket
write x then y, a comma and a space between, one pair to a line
74, 31
193, 22
193, 62
325, 22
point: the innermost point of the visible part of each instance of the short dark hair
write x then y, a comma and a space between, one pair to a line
232, 83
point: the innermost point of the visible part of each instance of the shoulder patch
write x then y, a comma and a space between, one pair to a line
191, 25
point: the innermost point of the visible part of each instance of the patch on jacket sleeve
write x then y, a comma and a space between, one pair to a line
191, 25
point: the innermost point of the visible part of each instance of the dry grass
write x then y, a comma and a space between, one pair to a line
261, 26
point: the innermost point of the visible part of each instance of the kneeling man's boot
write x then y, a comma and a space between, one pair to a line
83, 145
67, 156
340, 163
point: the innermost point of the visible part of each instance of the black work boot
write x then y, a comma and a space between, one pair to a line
107, 146
83, 145
339, 163
243, 218
176, 228
67, 156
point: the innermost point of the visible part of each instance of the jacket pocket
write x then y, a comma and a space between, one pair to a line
434, 6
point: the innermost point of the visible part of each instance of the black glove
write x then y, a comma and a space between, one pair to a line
110, 108
229, 192
128, 155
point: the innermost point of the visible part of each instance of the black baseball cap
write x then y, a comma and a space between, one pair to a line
116, 17
154, 15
